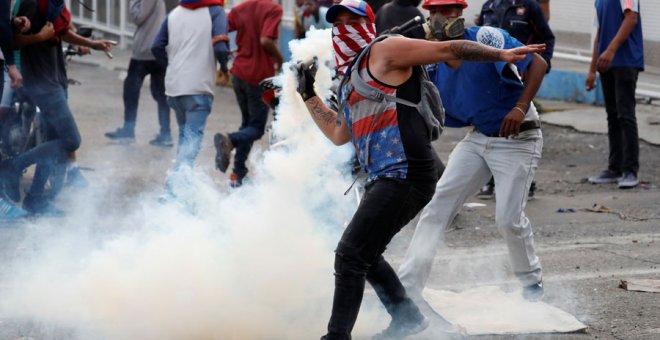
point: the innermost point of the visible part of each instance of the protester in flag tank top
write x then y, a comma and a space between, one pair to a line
394, 148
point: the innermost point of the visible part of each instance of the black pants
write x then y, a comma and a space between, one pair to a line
619, 85
386, 207
137, 71
254, 113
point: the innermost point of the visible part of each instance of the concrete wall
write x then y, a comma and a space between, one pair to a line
572, 22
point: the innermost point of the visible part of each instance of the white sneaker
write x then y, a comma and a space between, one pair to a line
628, 180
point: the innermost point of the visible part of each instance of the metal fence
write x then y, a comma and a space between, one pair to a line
110, 17
106, 16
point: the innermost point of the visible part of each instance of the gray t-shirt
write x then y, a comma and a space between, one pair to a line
147, 15
42, 64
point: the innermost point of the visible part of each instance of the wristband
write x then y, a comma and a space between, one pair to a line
521, 111
525, 105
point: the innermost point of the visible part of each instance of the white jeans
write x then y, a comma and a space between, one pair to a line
512, 162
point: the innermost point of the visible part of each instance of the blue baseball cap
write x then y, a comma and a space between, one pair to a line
358, 7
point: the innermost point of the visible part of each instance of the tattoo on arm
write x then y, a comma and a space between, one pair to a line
472, 51
322, 113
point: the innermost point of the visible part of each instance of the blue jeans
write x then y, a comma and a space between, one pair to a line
191, 112
62, 137
254, 113
137, 70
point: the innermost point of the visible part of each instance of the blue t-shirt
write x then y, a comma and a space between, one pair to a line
609, 15
476, 93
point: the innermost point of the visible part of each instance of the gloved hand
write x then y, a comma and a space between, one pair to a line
306, 73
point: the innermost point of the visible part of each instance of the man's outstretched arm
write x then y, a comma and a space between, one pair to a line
431, 52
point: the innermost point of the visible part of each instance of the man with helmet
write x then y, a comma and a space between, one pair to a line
505, 142
394, 148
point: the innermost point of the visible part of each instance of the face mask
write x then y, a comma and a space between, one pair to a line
348, 41
440, 28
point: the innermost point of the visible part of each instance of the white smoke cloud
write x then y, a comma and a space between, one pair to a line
254, 263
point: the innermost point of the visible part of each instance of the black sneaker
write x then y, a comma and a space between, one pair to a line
121, 134
533, 292
532, 191
399, 330
487, 192
235, 181
606, 176
39, 205
223, 148
164, 140
628, 180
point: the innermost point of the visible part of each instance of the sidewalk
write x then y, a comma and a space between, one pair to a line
564, 95
589, 118
566, 82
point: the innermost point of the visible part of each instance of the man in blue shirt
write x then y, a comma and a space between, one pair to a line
618, 55
506, 143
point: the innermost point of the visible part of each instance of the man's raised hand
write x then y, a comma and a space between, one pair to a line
520, 53
306, 75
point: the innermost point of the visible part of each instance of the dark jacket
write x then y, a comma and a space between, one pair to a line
523, 19
396, 13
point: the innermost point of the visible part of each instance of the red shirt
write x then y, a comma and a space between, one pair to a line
253, 19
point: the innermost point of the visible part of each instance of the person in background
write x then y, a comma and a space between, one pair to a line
618, 56
397, 12
8, 26
545, 7
46, 82
191, 39
147, 15
12, 78
256, 23
309, 13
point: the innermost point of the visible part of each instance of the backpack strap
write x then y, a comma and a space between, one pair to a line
347, 80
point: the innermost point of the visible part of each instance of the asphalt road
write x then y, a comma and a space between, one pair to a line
584, 254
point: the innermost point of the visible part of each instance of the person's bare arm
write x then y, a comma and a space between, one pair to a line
545, 7
627, 26
15, 76
431, 52
271, 48
100, 45
533, 79
46, 32
590, 83
390, 63
329, 122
